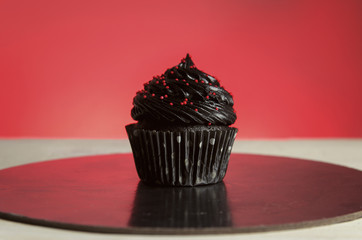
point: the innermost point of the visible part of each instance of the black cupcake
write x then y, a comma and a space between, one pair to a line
183, 135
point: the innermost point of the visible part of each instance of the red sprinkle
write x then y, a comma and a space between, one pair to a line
210, 84
153, 94
182, 103
144, 96
213, 93
202, 81
217, 109
176, 67
196, 81
176, 79
207, 97
209, 124
164, 84
186, 99
196, 109
166, 96
171, 103
191, 103
157, 82
171, 72
184, 80
161, 97
167, 87
187, 84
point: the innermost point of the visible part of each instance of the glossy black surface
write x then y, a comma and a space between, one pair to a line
103, 194
190, 207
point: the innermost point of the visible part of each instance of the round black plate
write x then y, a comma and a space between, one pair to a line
103, 194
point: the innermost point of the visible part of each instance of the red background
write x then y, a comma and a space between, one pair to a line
71, 68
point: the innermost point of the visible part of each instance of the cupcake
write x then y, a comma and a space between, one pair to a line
182, 136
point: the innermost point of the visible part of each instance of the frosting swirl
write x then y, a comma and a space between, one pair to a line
184, 95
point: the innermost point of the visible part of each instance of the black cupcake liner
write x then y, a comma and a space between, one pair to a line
188, 157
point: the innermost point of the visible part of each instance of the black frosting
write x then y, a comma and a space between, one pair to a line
183, 95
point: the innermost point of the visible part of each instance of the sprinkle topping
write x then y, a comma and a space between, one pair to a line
196, 94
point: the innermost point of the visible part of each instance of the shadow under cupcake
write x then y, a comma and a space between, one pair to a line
179, 207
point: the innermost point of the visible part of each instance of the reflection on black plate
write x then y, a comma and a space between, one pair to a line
196, 207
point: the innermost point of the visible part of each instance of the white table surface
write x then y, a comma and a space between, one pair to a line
339, 151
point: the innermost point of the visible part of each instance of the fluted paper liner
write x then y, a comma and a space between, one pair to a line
184, 158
